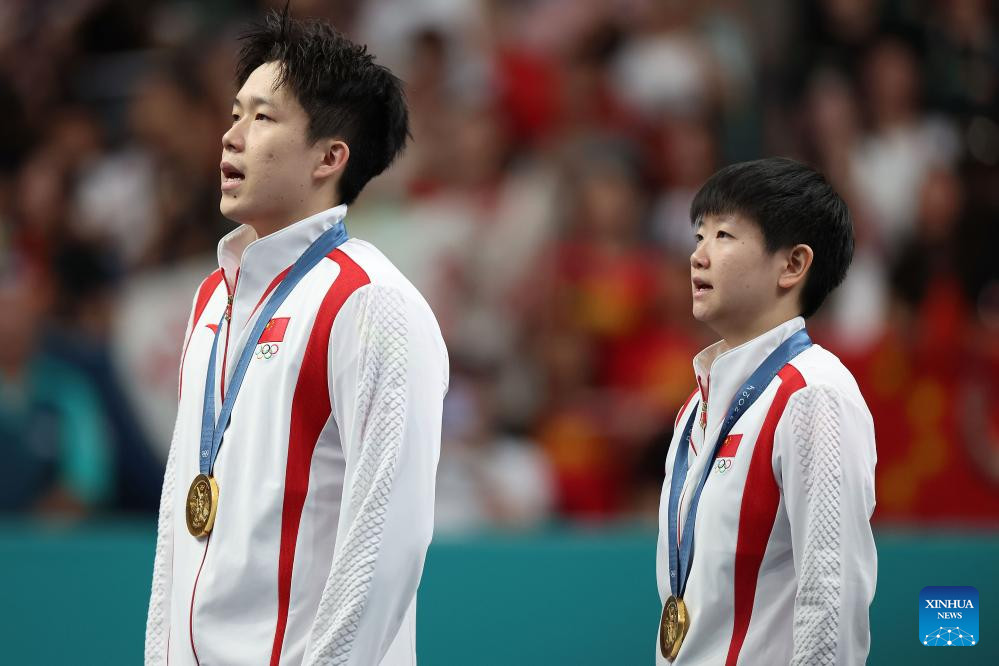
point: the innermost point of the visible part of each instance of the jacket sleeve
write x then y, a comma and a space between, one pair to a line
825, 444
388, 377
158, 614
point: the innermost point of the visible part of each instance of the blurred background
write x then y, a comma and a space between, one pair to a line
542, 209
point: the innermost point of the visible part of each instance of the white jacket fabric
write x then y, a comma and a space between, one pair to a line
326, 471
784, 564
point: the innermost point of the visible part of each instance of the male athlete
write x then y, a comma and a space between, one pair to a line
765, 551
297, 505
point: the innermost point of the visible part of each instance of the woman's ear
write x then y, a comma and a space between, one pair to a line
796, 265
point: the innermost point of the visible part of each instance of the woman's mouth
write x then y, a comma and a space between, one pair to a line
700, 286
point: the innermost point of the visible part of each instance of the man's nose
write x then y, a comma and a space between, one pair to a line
232, 140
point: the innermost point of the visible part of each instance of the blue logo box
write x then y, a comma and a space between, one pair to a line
948, 616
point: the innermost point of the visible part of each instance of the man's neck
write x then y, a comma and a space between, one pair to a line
266, 227
263, 230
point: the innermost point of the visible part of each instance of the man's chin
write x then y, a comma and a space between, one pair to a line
231, 209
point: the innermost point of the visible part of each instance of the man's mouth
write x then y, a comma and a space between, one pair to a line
231, 176
701, 286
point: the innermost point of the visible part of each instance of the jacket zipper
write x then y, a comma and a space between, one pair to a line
228, 326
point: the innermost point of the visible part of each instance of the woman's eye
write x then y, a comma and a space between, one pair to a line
235, 118
724, 233
698, 238
261, 116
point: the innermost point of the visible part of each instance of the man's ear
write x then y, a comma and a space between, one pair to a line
797, 262
334, 159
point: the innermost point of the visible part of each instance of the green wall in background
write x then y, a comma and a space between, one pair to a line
567, 596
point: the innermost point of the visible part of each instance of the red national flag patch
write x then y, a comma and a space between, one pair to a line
274, 330
729, 446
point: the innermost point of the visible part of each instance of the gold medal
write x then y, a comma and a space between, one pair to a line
673, 627
202, 502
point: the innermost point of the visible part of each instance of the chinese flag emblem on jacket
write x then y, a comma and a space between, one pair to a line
729, 447
274, 330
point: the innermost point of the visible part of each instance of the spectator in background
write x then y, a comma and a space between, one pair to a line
962, 62
903, 143
930, 276
429, 91
148, 200
831, 129
57, 458
831, 132
80, 332
666, 65
486, 478
687, 155
601, 282
830, 34
39, 205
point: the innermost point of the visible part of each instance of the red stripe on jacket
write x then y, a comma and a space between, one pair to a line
686, 403
190, 610
274, 283
760, 498
310, 410
676, 423
205, 291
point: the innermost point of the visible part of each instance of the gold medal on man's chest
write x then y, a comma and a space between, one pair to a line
673, 627
202, 502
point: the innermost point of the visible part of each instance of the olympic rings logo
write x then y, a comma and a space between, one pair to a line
267, 350
723, 465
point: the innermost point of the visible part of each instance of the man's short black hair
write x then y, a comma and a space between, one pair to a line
343, 91
791, 203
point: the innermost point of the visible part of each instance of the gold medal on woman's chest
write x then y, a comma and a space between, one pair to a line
673, 627
202, 502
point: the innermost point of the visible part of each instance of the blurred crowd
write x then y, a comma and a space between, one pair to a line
541, 207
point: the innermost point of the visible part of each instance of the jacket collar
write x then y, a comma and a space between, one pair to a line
250, 264
720, 371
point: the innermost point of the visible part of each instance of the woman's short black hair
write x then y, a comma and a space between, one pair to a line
343, 91
792, 203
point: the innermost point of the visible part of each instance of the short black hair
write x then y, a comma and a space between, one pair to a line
791, 203
343, 91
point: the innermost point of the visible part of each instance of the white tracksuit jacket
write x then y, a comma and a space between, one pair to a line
326, 472
784, 563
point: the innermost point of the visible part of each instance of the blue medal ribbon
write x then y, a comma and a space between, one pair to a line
211, 432
681, 556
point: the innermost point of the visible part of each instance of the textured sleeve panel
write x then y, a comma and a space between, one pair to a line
379, 420
816, 452
158, 618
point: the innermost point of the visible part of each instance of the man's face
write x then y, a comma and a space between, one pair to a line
267, 163
733, 277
